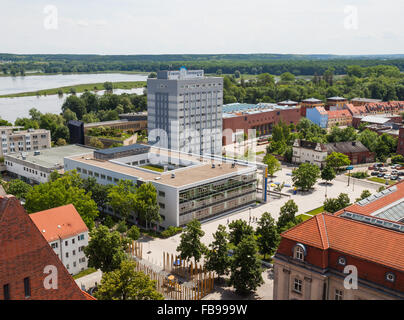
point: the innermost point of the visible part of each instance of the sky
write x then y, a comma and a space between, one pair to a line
202, 27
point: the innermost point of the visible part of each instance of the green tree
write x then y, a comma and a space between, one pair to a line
105, 250
122, 227
191, 245
108, 86
334, 205
337, 160
365, 194
272, 163
146, 204
76, 105
287, 214
125, 283
328, 174
122, 198
217, 258
133, 233
96, 143
267, 234
18, 188
238, 230
62, 191
246, 272
306, 176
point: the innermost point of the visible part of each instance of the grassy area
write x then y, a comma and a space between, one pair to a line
79, 88
304, 217
84, 273
261, 152
381, 180
315, 211
154, 168
123, 137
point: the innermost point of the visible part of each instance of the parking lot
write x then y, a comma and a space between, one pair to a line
392, 172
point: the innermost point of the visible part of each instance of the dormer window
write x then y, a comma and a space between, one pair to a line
390, 277
299, 252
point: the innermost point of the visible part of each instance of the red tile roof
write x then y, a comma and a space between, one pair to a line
62, 222
377, 204
372, 243
338, 114
24, 252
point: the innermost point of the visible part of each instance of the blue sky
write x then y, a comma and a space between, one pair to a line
204, 26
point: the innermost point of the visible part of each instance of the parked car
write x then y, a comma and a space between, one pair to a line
387, 176
393, 177
375, 173
394, 172
371, 168
380, 175
379, 165
383, 170
401, 174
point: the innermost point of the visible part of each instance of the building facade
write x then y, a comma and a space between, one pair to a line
240, 118
188, 186
309, 152
66, 233
309, 104
318, 116
185, 111
13, 140
36, 166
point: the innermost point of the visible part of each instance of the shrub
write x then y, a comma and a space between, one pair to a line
360, 175
170, 232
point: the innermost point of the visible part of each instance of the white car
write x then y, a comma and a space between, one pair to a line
387, 176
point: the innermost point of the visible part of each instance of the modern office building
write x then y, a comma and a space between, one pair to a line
185, 111
188, 186
36, 166
15, 140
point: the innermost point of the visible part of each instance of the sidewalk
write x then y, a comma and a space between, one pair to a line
89, 281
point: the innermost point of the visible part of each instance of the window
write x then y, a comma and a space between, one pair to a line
162, 205
27, 288
73, 240
162, 194
390, 277
338, 294
74, 264
6, 292
66, 243
297, 285
54, 245
299, 253
67, 254
74, 252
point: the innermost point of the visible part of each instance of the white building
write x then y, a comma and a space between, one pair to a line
36, 166
185, 111
66, 233
309, 152
188, 186
15, 140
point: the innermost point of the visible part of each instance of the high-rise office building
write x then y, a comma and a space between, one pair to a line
185, 111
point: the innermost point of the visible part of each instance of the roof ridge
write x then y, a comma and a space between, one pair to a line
320, 231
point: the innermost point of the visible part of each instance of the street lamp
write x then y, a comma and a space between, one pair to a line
349, 174
249, 216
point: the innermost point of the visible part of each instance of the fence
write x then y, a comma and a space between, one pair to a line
197, 281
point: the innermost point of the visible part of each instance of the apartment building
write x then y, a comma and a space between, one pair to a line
188, 186
185, 111
15, 140
66, 233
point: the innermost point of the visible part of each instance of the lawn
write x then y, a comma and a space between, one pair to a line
315, 211
84, 273
304, 217
381, 180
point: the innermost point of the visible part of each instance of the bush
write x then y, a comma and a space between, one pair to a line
122, 227
170, 232
133, 233
360, 175
109, 222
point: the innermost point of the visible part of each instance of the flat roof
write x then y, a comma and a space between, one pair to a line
123, 148
183, 176
239, 109
51, 158
104, 123
374, 119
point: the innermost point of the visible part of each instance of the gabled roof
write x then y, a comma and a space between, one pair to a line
346, 147
365, 241
62, 222
24, 252
334, 114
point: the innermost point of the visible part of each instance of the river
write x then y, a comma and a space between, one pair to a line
13, 108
